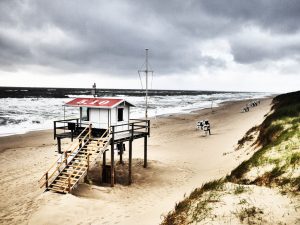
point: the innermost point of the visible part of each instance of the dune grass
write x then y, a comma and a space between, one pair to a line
279, 149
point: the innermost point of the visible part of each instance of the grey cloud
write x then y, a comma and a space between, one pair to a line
110, 36
247, 53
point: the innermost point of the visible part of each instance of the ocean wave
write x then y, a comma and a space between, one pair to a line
20, 115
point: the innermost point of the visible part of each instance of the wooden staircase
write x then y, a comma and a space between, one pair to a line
64, 175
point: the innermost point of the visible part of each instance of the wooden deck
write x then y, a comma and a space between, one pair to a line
119, 137
135, 129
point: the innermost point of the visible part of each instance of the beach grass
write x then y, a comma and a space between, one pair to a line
276, 165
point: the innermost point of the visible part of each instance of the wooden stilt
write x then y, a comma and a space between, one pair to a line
66, 159
112, 155
104, 159
121, 152
103, 175
130, 163
145, 152
90, 130
54, 133
59, 145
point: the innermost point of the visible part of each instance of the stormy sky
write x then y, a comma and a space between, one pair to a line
251, 45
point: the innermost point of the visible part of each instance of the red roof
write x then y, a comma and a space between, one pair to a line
96, 102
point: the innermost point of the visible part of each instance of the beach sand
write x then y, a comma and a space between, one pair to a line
181, 158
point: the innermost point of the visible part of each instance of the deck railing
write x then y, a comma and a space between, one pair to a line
134, 125
64, 125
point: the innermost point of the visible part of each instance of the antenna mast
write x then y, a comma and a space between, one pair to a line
146, 111
146, 72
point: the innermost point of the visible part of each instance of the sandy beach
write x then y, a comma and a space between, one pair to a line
181, 158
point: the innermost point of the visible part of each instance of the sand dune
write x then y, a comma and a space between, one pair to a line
180, 159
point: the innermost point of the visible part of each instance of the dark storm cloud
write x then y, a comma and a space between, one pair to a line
110, 36
252, 52
276, 15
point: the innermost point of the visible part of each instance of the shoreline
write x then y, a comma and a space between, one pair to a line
180, 159
190, 111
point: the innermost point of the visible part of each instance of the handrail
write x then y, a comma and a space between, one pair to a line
65, 160
66, 157
70, 145
106, 132
130, 123
123, 131
140, 120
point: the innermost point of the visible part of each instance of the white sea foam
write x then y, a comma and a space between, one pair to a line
20, 115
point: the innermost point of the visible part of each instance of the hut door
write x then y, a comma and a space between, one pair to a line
120, 114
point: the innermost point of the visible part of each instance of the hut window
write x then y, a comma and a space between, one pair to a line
85, 114
120, 114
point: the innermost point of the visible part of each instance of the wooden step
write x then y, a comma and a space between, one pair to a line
63, 183
77, 167
71, 178
72, 172
58, 190
60, 185
75, 172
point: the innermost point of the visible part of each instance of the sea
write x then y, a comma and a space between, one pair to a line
28, 109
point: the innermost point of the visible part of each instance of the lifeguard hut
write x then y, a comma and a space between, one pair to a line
102, 112
103, 123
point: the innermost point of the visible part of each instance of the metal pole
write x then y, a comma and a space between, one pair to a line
64, 118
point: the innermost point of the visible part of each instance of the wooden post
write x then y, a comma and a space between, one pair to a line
80, 143
46, 175
72, 135
148, 123
112, 167
130, 162
90, 130
103, 175
59, 145
104, 159
54, 129
145, 152
66, 158
88, 162
121, 152
132, 130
